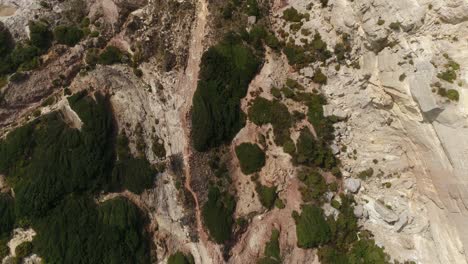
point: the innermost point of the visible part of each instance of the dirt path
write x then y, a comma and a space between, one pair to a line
188, 85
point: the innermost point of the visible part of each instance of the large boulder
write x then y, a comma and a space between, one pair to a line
352, 185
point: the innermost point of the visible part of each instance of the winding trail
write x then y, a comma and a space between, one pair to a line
188, 85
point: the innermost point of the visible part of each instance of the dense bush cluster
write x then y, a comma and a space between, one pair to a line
259, 36
40, 35
79, 231
292, 15
251, 158
55, 170
68, 35
300, 56
23, 56
272, 254
323, 126
266, 195
110, 55
217, 214
312, 152
274, 112
315, 185
311, 228
226, 71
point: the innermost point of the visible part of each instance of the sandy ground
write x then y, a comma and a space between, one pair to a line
7, 10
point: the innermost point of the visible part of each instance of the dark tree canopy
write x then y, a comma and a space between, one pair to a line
226, 71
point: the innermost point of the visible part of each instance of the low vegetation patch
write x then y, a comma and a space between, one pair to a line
251, 158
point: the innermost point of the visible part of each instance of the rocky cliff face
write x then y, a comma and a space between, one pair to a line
412, 137
401, 95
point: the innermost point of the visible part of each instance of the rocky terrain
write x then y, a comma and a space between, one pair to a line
395, 86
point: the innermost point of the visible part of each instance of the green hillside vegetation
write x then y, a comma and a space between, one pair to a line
55, 172
217, 215
272, 254
226, 71
251, 158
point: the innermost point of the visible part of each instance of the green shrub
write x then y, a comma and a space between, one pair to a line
323, 126
274, 112
293, 84
287, 92
276, 92
395, 25
24, 249
266, 195
111, 55
366, 251
226, 71
315, 185
134, 174
365, 174
24, 56
92, 56
272, 254
68, 35
292, 15
279, 203
319, 77
289, 147
252, 8
180, 258
312, 152
449, 75
311, 228
324, 3
40, 35
453, 95
251, 158
217, 215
